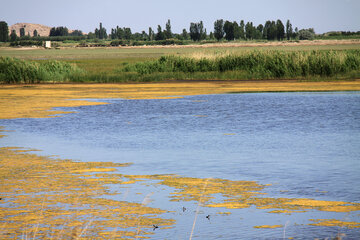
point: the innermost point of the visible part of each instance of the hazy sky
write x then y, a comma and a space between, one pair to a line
322, 15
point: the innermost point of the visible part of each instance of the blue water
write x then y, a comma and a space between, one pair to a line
307, 145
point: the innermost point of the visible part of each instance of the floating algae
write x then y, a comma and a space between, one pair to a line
334, 223
58, 198
50, 198
269, 226
25, 102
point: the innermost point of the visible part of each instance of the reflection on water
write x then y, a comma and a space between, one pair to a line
306, 145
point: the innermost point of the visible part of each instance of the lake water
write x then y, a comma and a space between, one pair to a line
306, 145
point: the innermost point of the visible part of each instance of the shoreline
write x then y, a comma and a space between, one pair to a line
38, 100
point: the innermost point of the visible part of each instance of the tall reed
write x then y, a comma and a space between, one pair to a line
13, 70
263, 64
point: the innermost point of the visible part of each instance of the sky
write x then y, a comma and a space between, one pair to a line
139, 15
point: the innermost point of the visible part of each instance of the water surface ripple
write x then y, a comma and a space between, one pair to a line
307, 145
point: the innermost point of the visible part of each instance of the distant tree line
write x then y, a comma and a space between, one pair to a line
271, 30
223, 30
125, 33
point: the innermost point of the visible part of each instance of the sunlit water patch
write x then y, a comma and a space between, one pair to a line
254, 165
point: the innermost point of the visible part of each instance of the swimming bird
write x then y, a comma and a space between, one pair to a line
184, 209
208, 217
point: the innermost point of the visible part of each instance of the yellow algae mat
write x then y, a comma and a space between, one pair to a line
34, 100
44, 197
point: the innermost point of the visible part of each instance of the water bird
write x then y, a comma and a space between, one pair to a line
208, 217
155, 227
184, 209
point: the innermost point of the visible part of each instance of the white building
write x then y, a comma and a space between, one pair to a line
47, 44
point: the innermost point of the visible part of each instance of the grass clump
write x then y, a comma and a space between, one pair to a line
13, 70
259, 64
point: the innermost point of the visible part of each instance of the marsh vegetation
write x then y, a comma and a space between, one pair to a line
149, 65
13, 70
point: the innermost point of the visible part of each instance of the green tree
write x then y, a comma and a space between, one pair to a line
296, 33
289, 30
127, 33
22, 32
211, 36
249, 30
197, 31
185, 35
202, 31
102, 32
13, 36
168, 33
160, 34
242, 29
119, 32
151, 34
260, 28
58, 31
229, 31
91, 35
280, 32
219, 29
236, 30
4, 32
204, 34
307, 34
35, 33
144, 36
76, 33
270, 30
113, 33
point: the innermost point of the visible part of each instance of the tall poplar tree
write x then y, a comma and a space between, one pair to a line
280, 32
4, 32
219, 29
289, 30
168, 33
13, 36
242, 29
229, 31
22, 32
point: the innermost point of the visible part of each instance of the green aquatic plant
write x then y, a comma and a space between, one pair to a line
13, 70
258, 64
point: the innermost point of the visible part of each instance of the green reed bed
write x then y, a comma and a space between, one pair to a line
258, 64
265, 64
13, 70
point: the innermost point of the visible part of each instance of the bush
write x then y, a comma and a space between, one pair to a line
26, 43
306, 34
